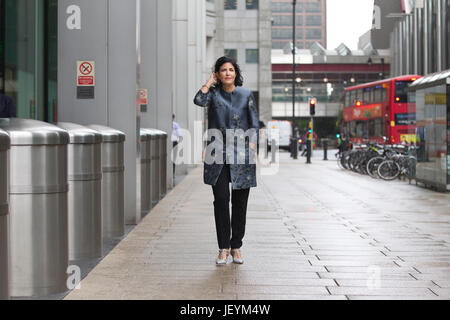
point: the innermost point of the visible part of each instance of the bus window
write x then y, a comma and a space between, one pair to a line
352, 129
383, 95
347, 99
379, 128
361, 129
359, 95
352, 97
367, 96
371, 128
401, 93
377, 94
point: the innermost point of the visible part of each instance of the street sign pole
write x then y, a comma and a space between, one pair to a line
294, 140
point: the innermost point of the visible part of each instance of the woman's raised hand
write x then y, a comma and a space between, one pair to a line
212, 80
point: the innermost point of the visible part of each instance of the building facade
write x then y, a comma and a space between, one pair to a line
310, 23
244, 33
322, 74
420, 40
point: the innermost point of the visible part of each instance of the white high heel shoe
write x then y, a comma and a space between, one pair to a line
223, 256
237, 256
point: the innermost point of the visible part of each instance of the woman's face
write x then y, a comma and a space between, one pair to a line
227, 74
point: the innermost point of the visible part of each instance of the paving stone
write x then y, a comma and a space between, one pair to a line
364, 276
385, 283
246, 296
311, 230
364, 291
266, 289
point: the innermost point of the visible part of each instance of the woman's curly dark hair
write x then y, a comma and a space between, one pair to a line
239, 81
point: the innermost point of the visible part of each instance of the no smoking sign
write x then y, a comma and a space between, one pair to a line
85, 79
85, 73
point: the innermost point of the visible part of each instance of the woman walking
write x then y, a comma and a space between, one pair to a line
232, 113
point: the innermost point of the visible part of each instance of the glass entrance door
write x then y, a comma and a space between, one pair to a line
30, 56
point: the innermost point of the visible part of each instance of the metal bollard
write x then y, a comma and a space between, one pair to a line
85, 185
155, 165
38, 207
4, 211
113, 209
308, 151
146, 201
273, 151
325, 149
162, 163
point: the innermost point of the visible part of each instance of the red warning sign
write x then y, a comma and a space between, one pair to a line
85, 73
143, 94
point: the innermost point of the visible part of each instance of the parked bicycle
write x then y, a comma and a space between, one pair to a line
380, 160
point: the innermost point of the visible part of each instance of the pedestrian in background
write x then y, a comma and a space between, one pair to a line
7, 107
176, 134
230, 106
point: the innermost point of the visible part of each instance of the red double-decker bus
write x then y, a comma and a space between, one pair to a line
380, 109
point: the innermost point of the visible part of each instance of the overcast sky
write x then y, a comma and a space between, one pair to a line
347, 20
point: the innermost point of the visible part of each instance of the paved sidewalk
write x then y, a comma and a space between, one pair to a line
313, 232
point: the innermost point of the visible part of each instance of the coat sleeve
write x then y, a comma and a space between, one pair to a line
252, 112
203, 99
253, 115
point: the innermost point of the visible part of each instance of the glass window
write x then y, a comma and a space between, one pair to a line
29, 64
282, 20
313, 7
313, 20
251, 55
251, 4
232, 53
353, 129
352, 97
347, 99
281, 33
379, 128
286, 20
314, 34
230, 4
359, 95
377, 94
401, 93
286, 7
362, 129
371, 124
367, 96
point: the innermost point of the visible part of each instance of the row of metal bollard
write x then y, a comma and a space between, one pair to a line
153, 163
65, 188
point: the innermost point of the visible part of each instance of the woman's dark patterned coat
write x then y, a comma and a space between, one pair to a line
235, 110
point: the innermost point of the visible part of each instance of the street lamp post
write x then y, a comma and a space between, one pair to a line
294, 140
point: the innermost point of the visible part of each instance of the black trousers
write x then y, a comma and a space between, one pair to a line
229, 236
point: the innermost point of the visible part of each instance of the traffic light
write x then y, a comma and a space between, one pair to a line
312, 106
338, 136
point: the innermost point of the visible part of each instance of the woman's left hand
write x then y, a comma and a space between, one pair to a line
252, 145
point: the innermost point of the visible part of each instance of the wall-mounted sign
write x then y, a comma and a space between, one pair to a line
85, 79
143, 99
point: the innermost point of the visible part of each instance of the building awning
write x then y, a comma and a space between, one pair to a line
431, 80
